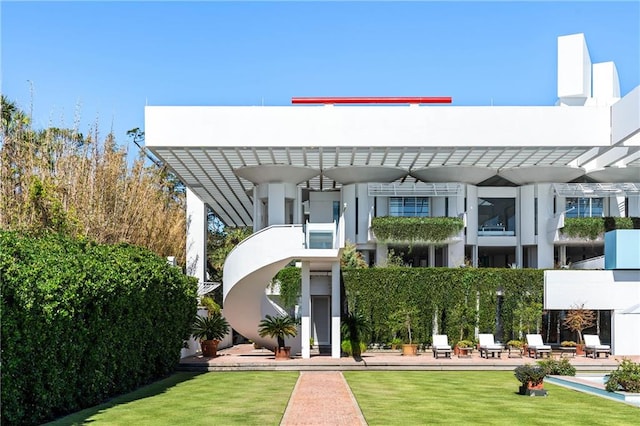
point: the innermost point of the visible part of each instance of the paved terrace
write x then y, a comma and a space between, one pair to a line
245, 357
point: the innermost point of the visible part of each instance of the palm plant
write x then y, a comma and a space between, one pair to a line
278, 327
212, 327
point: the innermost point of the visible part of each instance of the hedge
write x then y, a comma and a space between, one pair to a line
82, 322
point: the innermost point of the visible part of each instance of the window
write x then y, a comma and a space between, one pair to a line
409, 206
336, 211
496, 216
584, 207
320, 240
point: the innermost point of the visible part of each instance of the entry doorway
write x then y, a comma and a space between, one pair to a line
321, 320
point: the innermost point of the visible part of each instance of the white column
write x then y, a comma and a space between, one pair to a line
335, 310
365, 203
348, 197
276, 204
472, 215
297, 205
545, 212
305, 311
196, 237
257, 210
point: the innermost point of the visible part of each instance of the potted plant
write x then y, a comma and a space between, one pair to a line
395, 343
463, 347
403, 318
531, 378
210, 330
577, 319
279, 327
354, 328
516, 346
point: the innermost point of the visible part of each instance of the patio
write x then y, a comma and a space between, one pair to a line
246, 357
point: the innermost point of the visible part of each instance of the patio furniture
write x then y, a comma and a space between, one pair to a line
488, 346
593, 346
441, 346
535, 346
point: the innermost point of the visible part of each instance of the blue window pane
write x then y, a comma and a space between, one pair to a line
409, 206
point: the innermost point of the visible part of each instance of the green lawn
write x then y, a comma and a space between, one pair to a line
229, 398
385, 397
484, 397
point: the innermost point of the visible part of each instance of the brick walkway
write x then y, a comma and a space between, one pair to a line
322, 398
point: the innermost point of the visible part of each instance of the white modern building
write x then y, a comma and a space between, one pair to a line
307, 177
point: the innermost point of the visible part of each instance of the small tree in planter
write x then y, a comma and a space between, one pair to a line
210, 330
577, 319
279, 327
531, 378
403, 318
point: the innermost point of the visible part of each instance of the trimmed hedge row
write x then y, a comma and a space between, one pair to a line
82, 322
448, 294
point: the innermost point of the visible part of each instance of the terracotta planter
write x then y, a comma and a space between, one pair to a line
283, 353
580, 349
410, 349
209, 348
533, 390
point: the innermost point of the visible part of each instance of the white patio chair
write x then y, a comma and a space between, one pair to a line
488, 346
441, 346
535, 346
593, 346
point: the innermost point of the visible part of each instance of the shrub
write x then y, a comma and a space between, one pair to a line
626, 377
465, 344
100, 320
557, 367
348, 349
529, 373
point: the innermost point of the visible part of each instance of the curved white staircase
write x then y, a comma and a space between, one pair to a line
249, 268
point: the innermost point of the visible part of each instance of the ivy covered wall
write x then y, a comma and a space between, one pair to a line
456, 298
448, 295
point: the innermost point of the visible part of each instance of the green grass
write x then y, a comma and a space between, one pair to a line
481, 397
229, 398
385, 398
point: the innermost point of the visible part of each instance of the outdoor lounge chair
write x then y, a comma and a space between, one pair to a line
592, 345
441, 346
535, 346
488, 346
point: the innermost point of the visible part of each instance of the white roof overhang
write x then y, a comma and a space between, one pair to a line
221, 152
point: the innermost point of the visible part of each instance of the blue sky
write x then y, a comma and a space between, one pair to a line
89, 62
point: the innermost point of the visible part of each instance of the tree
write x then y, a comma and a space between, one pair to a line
59, 180
352, 258
219, 244
578, 318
